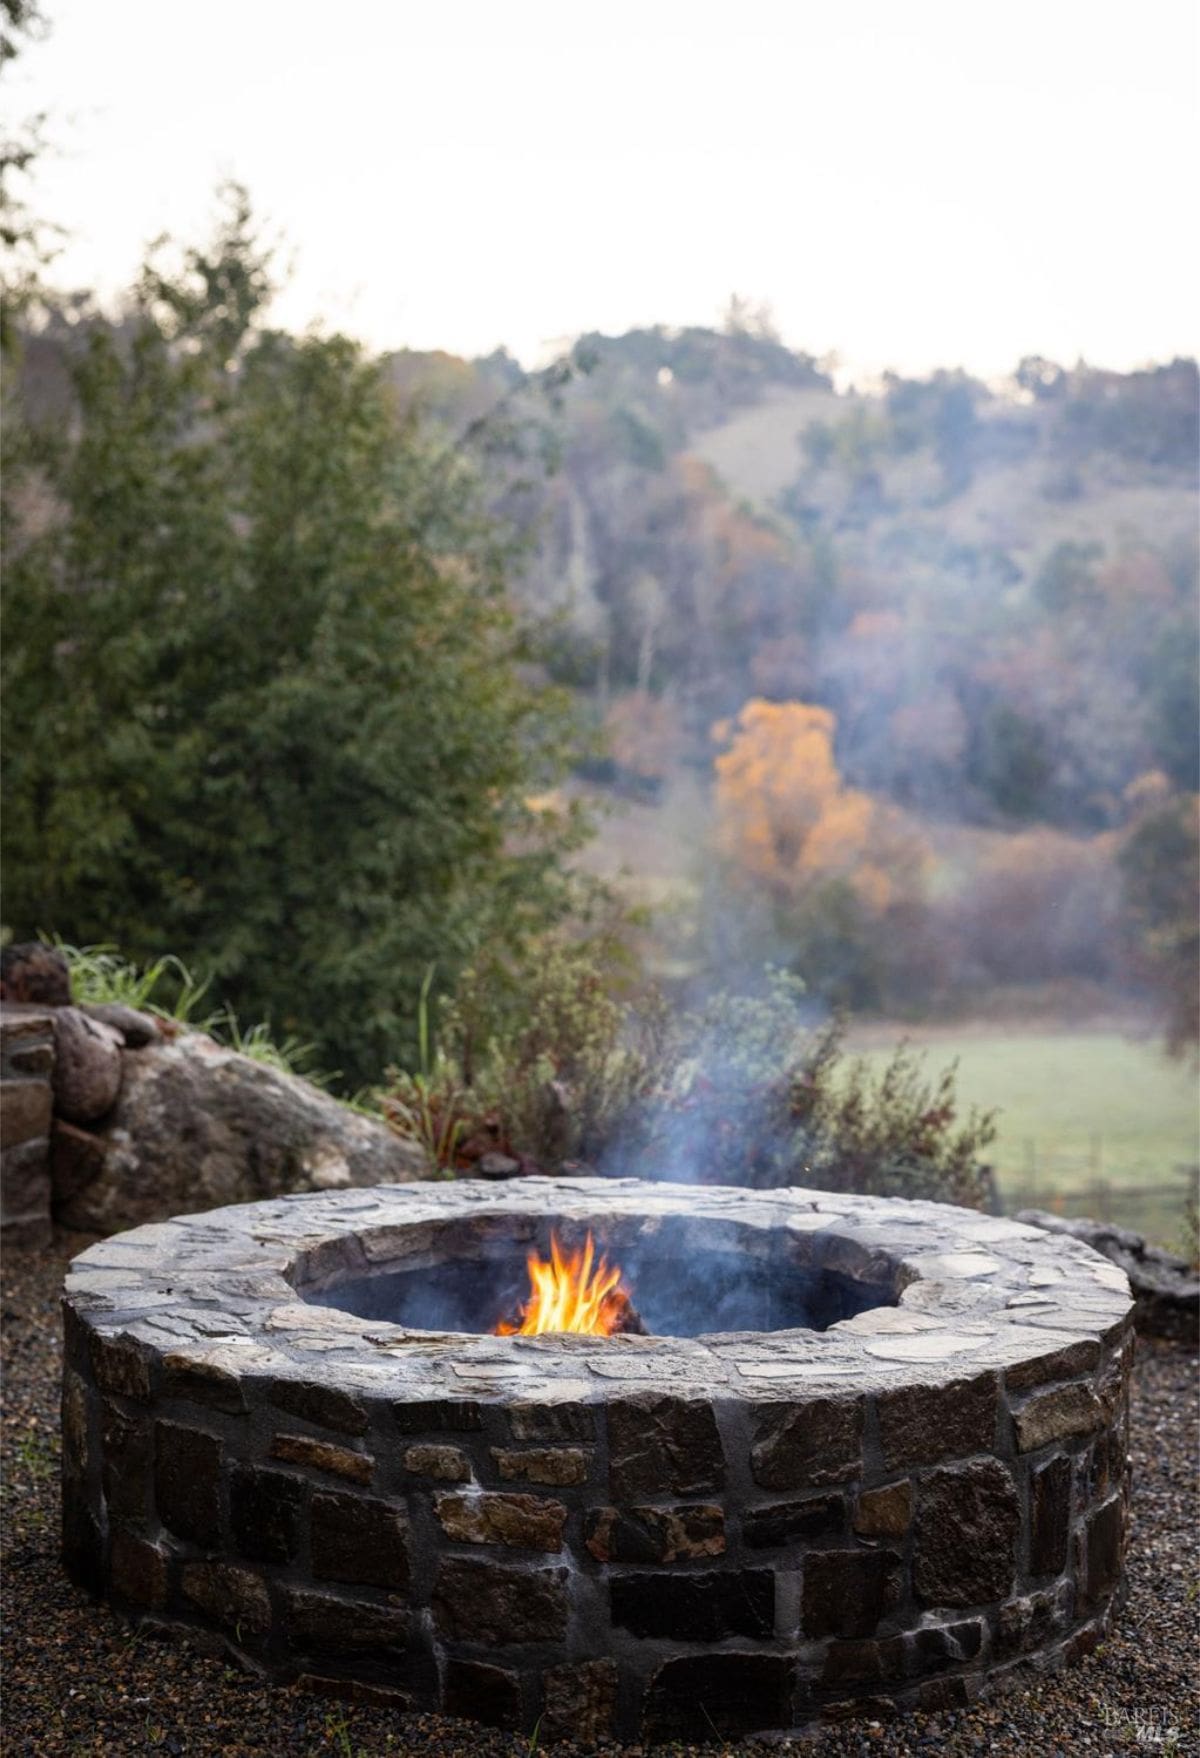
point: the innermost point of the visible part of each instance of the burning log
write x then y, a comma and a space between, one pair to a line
629, 1323
574, 1294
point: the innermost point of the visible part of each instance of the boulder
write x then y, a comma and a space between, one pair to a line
87, 1066
137, 1029
196, 1126
31, 971
1166, 1288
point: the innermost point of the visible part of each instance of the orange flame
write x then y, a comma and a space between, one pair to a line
566, 1294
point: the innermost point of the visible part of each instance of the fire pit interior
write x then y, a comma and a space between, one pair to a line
798, 1455
668, 1283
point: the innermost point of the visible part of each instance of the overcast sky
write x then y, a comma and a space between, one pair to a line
911, 183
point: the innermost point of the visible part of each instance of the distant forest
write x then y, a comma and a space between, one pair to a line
893, 688
921, 661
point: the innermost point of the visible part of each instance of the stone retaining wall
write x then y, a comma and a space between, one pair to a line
110, 1117
26, 1105
629, 1536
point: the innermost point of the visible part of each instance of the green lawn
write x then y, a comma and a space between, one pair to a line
1091, 1122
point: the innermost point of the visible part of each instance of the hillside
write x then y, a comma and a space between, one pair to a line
986, 595
893, 686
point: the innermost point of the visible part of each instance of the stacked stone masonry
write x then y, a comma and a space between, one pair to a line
635, 1537
110, 1117
26, 1108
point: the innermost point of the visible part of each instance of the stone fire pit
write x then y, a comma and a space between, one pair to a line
874, 1456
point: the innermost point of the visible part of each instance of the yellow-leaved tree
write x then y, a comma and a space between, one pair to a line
787, 819
837, 865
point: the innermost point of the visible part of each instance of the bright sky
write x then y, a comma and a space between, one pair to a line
911, 183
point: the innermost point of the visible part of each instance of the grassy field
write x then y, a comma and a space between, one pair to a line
1090, 1122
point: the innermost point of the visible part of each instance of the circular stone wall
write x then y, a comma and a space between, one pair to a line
630, 1536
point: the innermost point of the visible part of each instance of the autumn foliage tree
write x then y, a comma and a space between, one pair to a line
837, 864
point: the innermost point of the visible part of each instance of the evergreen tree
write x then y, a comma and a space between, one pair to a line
264, 699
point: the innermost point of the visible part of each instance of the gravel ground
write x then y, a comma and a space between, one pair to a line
78, 1680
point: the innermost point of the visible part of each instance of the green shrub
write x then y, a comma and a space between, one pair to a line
539, 1062
739, 1091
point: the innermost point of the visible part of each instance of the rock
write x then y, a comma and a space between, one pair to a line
128, 1462
24, 1111
724, 1694
82, 1539
25, 1195
656, 1535
581, 1699
946, 1645
74, 1425
661, 1446
920, 1425
1166, 1288
696, 1607
302, 1449
557, 1465
356, 1691
26, 1232
233, 1596
136, 1029
197, 1126
478, 1692
1050, 1517
495, 1165
187, 1483
26, 1040
1029, 1622
318, 1621
26, 1061
935, 1694
33, 972
1057, 1415
447, 1464
848, 1592
77, 1158
865, 1663
439, 1416
87, 1066
526, 1522
495, 1604
803, 1445
786, 1523
1104, 1549
122, 1365
1066, 1363
359, 1540
886, 1512
325, 1406
264, 1513
203, 1382
139, 1570
551, 1422
967, 1521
